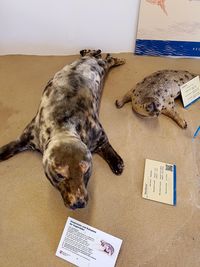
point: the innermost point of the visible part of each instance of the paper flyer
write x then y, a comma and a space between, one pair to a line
159, 182
190, 91
86, 246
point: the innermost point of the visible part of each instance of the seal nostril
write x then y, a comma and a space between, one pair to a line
78, 205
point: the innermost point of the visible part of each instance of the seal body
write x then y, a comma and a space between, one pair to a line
156, 95
67, 130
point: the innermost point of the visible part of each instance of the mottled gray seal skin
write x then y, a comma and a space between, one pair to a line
67, 130
155, 95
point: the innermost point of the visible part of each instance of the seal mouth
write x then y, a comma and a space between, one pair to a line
143, 116
154, 114
78, 205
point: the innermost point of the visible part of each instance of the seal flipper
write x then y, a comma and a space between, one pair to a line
24, 142
13, 148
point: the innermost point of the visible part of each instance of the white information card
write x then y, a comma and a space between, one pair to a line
86, 246
159, 182
190, 91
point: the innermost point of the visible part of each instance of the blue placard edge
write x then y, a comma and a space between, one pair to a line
196, 133
174, 178
192, 102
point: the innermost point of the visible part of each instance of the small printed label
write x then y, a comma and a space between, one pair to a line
86, 246
159, 182
190, 91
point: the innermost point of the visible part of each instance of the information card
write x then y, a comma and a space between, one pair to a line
160, 182
190, 91
86, 246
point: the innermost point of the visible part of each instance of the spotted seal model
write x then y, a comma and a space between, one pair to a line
155, 95
67, 130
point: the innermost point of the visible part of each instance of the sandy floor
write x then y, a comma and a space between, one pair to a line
32, 211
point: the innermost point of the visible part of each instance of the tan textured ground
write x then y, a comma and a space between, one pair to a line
32, 212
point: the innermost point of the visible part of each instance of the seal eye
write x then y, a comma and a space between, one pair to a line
63, 171
60, 176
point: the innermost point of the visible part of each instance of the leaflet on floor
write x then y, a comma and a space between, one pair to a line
86, 246
159, 182
190, 91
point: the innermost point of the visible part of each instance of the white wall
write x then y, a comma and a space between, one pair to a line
57, 27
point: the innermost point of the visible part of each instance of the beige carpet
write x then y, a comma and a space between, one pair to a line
32, 212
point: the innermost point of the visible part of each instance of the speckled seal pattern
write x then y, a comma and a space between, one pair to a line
67, 130
155, 95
